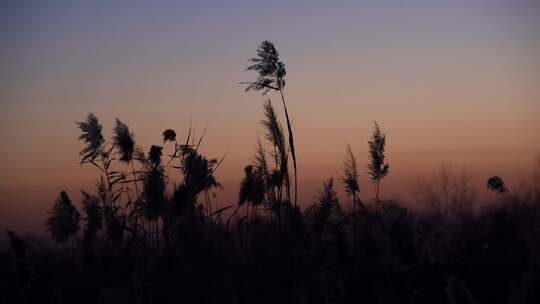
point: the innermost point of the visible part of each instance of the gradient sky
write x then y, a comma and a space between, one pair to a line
454, 82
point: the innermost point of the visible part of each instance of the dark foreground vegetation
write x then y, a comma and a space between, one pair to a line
141, 239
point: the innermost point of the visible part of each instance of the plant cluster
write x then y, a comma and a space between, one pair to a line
144, 240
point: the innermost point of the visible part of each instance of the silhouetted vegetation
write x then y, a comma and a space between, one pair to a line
377, 167
146, 240
272, 72
496, 184
63, 221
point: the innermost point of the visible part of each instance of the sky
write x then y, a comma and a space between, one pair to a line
449, 82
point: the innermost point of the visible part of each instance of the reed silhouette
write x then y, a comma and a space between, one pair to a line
377, 168
143, 240
272, 77
63, 221
496, 184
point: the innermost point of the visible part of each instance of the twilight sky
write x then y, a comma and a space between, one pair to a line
454, 82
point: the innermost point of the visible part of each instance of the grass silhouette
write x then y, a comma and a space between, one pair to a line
144, 242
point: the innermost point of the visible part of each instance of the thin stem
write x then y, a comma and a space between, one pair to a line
354, 224
291, 144
377, 196
109, 184
134, 179
248, 224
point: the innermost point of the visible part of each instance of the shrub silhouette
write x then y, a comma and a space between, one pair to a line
448, 193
